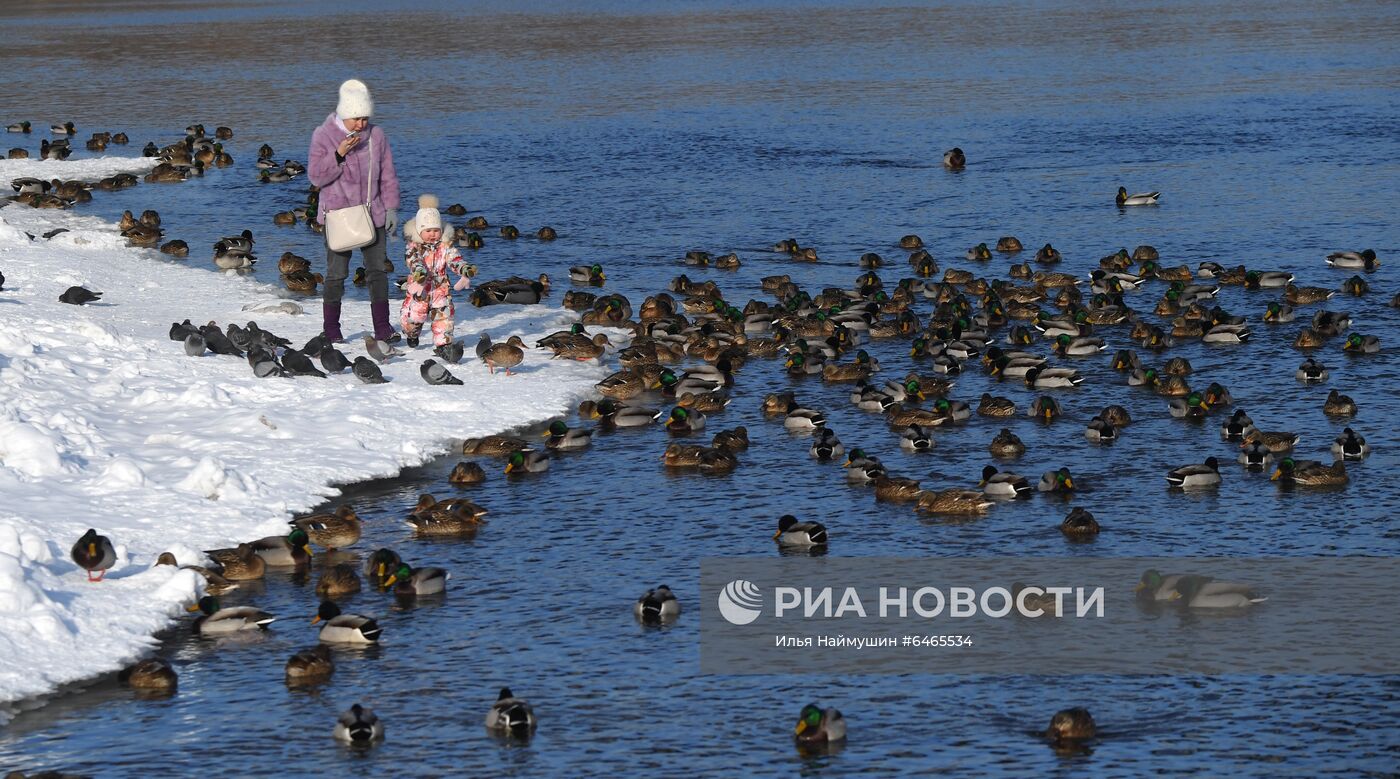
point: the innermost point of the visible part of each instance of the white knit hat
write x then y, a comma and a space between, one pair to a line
354, 100
427, 217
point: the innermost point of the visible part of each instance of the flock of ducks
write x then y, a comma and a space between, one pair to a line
972, 320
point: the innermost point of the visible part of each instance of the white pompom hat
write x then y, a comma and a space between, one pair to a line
354, 100
427, 217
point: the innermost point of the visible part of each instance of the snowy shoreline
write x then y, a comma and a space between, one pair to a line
105, 423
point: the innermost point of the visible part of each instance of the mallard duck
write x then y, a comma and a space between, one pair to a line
240, 563
610, 413
358, 727
683, 421
94, 552
1140, 199
802, 419
954, 501
1357, 343
1310, 473
862, 468
510, 715
380, 565
337, 580
799, 534
1035, 602
916, 438
995, 406
1362, 260
1078, 346
1312, 371
1202, 592
1046, 378
290, 551
1101, 431
582, 348
1192, 476
1056, 481
332, 531
1279, 313
896, 489
409, 582
1308, 338
1237, 427
1116, 415
527, 461
657, 606
150, 674
953, 159
493, 445
736, 440
560, 436
682, 456
310, 665
467, 473
622, 385
704, 402
587, 274
980, 252
1071, 725
1276, 441
1045, 408
214, 582
345, 628
507, 355
1009, 244
1171, 386
1356, 286
20, 127
1226, 334
826, 446
218, 621
447, 518
1350, 446
1006, 444
1004, 484
1255, 456
1339, 405
1300, 296
1079, 524
1192, 406
817, 726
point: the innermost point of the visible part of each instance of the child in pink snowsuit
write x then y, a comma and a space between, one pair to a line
428, 293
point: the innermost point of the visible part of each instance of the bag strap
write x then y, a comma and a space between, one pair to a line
369, 182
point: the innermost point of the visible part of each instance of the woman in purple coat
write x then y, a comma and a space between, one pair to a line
344, 151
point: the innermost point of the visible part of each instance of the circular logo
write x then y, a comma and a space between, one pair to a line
740, 602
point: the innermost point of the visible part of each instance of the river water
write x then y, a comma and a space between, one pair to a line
640, 133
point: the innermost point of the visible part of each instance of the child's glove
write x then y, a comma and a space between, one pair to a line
462, 283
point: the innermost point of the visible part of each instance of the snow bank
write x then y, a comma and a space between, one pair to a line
105, 423
90, 169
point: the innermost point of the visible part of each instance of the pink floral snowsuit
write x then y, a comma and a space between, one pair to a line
428, 293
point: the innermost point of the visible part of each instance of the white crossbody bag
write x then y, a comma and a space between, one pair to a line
353, 227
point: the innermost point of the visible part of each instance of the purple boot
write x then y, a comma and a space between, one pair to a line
379, 312
330, 322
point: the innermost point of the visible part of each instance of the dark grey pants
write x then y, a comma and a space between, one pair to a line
338, 267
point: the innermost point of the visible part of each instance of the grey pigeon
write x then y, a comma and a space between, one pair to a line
264, 364
333, 360
436, 373
483, 345
315, 345
380, 350
194, 345
367, 372
78, 296
450, 352
267, 338
241, 338
299, 364
217, 342
179, 331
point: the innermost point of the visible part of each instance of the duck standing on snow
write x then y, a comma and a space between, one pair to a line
94, 552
